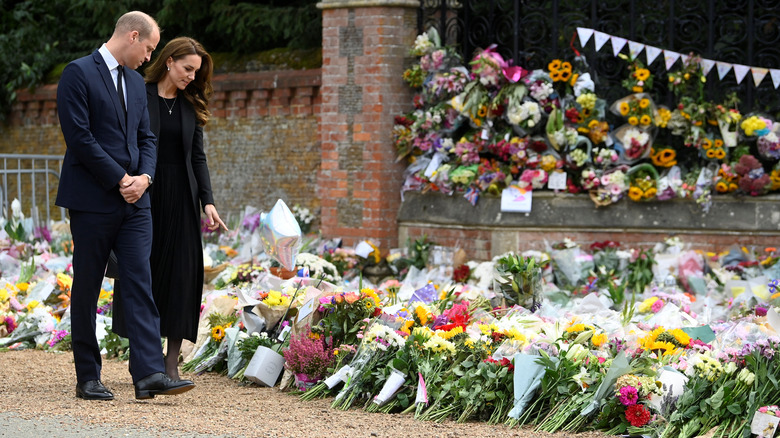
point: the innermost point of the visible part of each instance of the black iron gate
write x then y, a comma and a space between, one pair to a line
532, 32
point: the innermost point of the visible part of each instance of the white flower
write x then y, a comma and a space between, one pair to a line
584, 84
16, 210
422, 43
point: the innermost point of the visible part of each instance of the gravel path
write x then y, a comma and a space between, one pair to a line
37, 399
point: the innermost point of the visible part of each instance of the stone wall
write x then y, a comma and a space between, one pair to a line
261, 141
484, 231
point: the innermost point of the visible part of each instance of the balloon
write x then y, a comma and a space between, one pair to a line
281, 235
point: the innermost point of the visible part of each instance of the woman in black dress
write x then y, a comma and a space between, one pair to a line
178, 85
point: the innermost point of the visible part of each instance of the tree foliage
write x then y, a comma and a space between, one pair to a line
39, 36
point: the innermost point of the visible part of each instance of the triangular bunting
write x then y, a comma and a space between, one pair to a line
723, 68
758, 75
670, 58
652, 53
685, 59
740, 71
584, 34
775, 77
600, 38
706, 66
635, 49
617, 44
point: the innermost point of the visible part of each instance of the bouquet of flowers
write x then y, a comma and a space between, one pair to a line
643, 182
614, 185
308, 357
638, 109
636, 142
752, 178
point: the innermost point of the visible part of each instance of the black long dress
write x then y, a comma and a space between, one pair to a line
177, 254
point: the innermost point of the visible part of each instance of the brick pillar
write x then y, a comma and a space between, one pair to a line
365, 49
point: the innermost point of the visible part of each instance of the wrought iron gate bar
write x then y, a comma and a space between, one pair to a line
532, 32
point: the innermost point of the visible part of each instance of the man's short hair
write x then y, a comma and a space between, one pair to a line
138, 21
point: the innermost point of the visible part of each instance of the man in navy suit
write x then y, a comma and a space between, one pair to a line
108, 166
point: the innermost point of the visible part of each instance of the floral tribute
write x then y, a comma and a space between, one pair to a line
483, 124
663, 342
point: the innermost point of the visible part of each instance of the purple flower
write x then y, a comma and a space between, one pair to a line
760, 311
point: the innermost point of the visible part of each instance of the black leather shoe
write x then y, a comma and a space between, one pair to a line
160, 384
93, 390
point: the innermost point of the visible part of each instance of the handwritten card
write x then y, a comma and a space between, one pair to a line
764, 425
557, 181
516, 200
306, 310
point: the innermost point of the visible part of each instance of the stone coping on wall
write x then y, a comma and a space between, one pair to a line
729, 214
253, 94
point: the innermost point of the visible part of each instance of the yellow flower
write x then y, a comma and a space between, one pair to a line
642, 74
4, 295
64, 281
599, 339
644, 120
624, 108
422, 314
647, 305
635, 193
718, 143
217, 333
482, 111
720, 154
722, 187
554, 65
681, 337
633, 120
576, 328
644, 103
593, 124
32, 304
711, 153
637, 89
574, 78
22, 286
650, 193
706, 144
450, 333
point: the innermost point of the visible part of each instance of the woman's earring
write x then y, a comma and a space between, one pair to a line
169, 69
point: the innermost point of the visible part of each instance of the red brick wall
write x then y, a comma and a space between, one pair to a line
261, 141
364, 49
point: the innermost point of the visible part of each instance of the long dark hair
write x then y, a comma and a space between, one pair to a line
199, 90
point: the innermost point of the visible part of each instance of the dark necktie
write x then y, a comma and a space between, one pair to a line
119, 89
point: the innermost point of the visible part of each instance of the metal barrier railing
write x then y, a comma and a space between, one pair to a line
44, 175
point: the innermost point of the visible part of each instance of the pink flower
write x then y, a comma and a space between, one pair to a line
763, 409
657, 306
628, 395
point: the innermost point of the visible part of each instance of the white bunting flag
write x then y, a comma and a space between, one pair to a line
584, 34
685, 59
635, 49
758, 75
652, 53
723, 69
670, 58
740, 71
600, 38
775, 77
706, 66
617, 44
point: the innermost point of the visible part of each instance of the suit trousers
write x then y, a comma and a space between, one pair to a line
128, 232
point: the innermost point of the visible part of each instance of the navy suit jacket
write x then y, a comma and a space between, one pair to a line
101, 144
192, 140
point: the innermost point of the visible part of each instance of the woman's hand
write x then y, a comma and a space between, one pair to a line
212, 216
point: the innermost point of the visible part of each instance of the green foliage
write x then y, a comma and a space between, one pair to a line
519, 279
641, 271
115, 345
40, 37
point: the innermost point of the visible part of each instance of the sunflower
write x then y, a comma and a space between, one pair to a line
633, 120
624, 108
422, 314
650, 193
682, 338
574, 78
565, 75
644, 103
711, 153
645, 120
635, 193
720, 154
718, 143
722, 187
482, 112
637, 89
217, 333
706, 144
642, 74
554, 65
